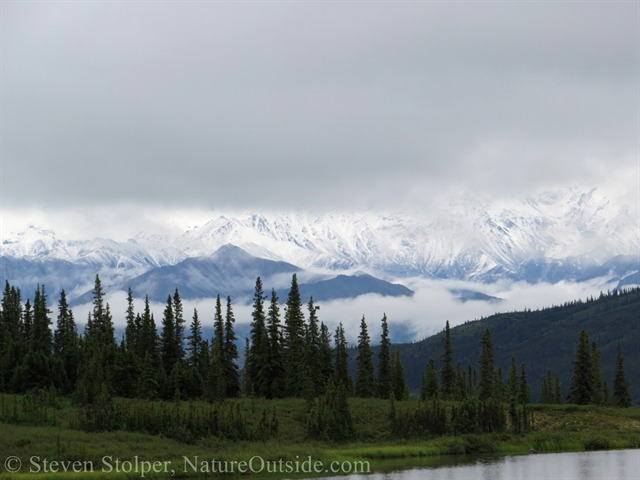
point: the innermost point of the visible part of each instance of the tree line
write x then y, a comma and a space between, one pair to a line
294, 355
290, 355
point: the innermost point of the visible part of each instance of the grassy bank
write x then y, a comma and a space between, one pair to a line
558, 428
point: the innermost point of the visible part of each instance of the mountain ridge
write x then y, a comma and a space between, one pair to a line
562, 235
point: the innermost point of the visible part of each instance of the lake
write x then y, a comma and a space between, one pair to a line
603, 465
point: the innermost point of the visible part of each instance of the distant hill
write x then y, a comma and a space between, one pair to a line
349, 286
542, 339
232, 271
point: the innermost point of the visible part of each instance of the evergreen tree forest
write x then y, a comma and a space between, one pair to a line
290, 353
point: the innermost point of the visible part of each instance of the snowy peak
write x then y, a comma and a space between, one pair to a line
556, 235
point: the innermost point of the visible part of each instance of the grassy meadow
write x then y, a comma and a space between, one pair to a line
50, 433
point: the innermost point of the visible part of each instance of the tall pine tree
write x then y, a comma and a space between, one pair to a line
294, 358
621, 395
448, 373
384, 362
486, 366
581, 389
364, 387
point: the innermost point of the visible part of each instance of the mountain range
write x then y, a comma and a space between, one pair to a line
562, 235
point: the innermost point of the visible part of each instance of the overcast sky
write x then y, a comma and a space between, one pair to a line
318, 105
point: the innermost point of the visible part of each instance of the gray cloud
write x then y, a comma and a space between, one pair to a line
311, 104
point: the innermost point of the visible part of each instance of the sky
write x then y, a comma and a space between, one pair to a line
117, 116
121, 110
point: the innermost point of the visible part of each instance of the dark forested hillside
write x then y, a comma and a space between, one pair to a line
542, 339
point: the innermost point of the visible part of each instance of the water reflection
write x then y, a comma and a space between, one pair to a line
606, 465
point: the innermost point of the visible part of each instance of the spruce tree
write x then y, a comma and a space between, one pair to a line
101, 332
326, 357
65, 345
524, 394
429, 389
148, 341
581, 389
461, 384
294, 342
341, 369
399, 386
313, 381
131, 331
273, 368
384, 362
621, 395
13, 335
168, 351
195, 343
557, 394
196, 358
486, 366
178, 320
215, 387
364, 387
41, 339
596, 361
512, 382
448, 373
258, 353
230, 355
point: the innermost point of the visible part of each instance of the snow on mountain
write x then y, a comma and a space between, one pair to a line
555, 235
39, 244
463, 239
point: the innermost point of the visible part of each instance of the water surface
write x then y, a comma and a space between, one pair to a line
605, 465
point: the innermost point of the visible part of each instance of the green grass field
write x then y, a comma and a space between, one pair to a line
557, 428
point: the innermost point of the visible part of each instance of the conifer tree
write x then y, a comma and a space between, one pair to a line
461, 384
429, 389
384, 362
512, 382
313, 381
326, 357
101, 332
27, 321
258, 353
168, 351
215, 387
399, 386
524, 394
65, 345
147, 381
598, 393
274, 370
11, 322
40, 340
341, 369
230, 355
218, 324
13, 335
621, 395
486, 366
364, 387
448, 373
178, 319
196, 358
131, 332
557, 394
195, 343
148, 341
581, 389
293, 355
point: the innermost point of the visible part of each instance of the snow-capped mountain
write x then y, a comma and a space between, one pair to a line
557, 235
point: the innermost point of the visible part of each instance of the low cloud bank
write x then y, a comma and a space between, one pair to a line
410, 318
